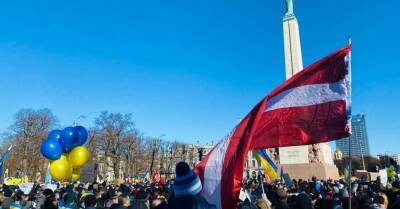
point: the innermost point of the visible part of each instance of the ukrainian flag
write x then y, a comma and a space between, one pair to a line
147, 175
270, 168
15, 206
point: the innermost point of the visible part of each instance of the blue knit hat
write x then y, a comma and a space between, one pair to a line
186, 181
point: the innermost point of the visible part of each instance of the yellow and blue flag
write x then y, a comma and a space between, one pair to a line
271, 170
14, 205
147, 175
4, 157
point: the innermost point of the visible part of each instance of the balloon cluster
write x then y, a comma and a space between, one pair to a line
65, 150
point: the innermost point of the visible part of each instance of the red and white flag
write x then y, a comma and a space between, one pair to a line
311, 107
156, 176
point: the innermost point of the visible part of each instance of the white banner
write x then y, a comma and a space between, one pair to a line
53, 187
26, 187
383, 176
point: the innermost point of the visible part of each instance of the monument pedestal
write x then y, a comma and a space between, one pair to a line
305, 162
307, 171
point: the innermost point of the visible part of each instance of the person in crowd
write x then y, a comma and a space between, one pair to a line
51, 202
281, 199
186, 188
158, 204
124, 201
69, 202
90, 201
17, 200
303, 201
142, 200
263, 204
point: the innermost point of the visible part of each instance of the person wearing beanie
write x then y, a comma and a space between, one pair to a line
124, 201
158, 204
282, 197
69, 202
186, 188
90, 201
186, 181
51, 202
17, 203
141, 200
303, 201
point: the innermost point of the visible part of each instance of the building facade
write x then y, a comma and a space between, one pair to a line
101, 169
396, 157
359, 144
387, 158
253, 165
190, 153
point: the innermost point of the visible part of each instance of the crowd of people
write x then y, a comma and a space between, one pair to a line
184, 193
319, 194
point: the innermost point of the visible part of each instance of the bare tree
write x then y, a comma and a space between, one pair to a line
27, 132
154, 145
133, 153
112, 133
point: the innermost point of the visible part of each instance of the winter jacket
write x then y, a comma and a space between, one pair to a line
303, 201
247, 205
40, 201
189, 202
29, 205
396, 204
140, 204
280, 205
377, 206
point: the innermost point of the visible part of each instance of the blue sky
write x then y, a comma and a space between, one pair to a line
188, 69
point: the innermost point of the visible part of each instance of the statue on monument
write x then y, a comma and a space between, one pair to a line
289, 8
314, 155
274, 154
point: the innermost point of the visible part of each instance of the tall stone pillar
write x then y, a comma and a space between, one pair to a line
309, 160
293, 58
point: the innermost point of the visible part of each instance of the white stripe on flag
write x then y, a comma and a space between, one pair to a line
308, 95
213, 172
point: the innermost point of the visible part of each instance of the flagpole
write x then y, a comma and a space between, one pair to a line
350, 190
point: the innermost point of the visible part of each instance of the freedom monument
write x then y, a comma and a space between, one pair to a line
309, 160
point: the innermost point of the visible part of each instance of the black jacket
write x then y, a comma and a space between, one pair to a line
189, 202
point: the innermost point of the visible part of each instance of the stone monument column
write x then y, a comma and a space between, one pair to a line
309, 160
293, 57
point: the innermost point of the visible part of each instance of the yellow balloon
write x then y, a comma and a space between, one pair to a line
76, 174
61, 170
64, 157
78, 156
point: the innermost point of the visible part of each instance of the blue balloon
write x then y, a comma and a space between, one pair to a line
68, 139
82, 135
55, 135
51, 149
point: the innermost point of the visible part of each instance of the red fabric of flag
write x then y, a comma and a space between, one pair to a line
311, 107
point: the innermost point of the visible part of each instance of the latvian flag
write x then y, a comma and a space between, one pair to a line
311, 107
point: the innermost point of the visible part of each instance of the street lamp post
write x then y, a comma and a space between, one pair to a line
154, 150
76, 121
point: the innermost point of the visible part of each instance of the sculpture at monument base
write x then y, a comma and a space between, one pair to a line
314, 155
